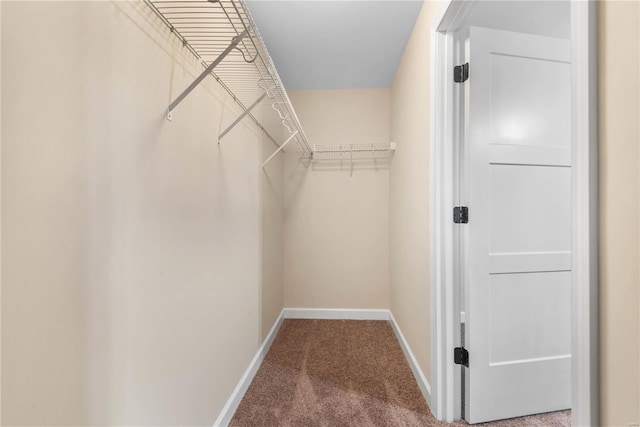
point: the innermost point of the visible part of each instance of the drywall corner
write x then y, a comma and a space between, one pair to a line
272, 235
421, 379
409, 190
226, 414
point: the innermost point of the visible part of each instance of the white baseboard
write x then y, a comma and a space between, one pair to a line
336, 313
245, 381
318, 313
413, 363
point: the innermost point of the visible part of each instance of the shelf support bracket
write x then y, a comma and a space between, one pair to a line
234, 42
280, 148
242, 116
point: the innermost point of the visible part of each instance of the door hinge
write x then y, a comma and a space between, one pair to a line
461, 215
461, 73
461, 356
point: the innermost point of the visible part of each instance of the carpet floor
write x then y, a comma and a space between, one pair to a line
345, 373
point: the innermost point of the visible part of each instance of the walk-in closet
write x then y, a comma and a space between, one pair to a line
257, 213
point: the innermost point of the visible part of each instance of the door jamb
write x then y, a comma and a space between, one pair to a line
444, 317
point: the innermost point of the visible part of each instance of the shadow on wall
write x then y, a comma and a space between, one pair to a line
347, 165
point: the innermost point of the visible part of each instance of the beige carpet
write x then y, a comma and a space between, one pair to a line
344, 373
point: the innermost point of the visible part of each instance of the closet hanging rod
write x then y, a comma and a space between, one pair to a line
205, 73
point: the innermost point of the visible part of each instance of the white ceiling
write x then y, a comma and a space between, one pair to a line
335, 44
351, 44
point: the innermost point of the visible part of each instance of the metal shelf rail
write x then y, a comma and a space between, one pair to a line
223, 35
353, 152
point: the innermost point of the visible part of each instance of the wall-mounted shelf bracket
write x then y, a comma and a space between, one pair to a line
242, 116
205, 28
234, 42
280, 148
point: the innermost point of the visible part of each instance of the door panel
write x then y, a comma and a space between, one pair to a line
520, 330
529, 113
517, 293
530, 207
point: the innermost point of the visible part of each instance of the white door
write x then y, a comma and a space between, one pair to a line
517, 290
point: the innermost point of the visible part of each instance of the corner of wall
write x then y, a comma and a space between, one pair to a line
409, 190
272, 238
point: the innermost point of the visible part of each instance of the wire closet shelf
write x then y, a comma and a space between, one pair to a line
354, 151
224, 37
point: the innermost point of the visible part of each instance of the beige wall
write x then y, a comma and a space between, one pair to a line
620, 211
409, 190
131, 245
336, 228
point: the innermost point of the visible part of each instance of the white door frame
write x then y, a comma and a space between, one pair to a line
445, 322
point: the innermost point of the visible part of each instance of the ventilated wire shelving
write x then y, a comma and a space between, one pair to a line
223, 35
354, 151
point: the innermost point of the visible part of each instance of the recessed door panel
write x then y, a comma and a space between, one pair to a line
530, 208
529, 113
529, 316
